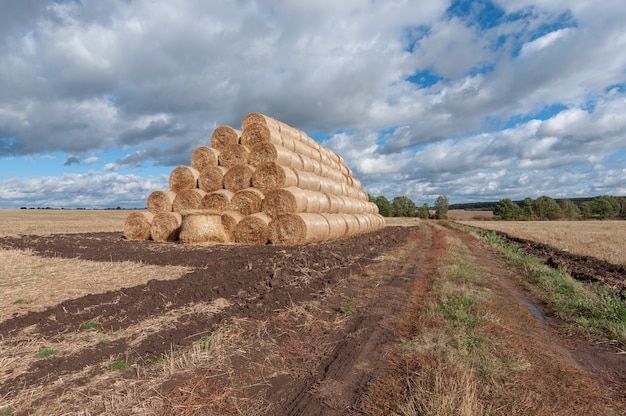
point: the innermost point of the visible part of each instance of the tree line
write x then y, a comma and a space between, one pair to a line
402, 206
542, 208
603, 207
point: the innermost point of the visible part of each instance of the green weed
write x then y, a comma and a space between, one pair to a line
90, 325
45, 353
120, 365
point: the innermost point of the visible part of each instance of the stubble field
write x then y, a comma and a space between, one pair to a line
413, 319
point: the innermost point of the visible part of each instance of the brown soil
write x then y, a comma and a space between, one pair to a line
356, 291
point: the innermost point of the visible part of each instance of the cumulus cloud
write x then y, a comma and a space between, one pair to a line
420, 98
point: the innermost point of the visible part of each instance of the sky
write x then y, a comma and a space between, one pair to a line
475, 100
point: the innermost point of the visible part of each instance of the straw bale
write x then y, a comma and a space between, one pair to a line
230, 219
299, 228
290, 136
212, 178
308, 180
204, 157
353, 226
337, 204
258, 118
160, 201
260, 133
269, 152
324, 202
137, 225
304, 149
329, 186
232, 155
253, 229
247, 201
364, 223
166, 226
304, 138
183, 177
332, 174
337, 226
217, 200
238, 177
202, 228
311, 165
285, 201
270, 176
188, 199
224, 136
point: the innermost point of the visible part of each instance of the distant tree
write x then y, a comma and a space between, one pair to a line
606, 207
423, 212
528, 208
546, 208
384, 206
586, 209
402, 206
569, 210
622, 209
441, 207
371, 198
507, 209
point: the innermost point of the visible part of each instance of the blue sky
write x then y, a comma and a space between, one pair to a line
475, 100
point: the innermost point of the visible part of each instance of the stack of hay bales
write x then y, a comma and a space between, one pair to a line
266, 183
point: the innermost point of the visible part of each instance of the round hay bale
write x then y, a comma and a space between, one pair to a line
363, 221
238, 177
260, 133
212, 178
137, 225
247, 201
306, 139
166, 226
188, 199
258, 118
337, 226
337, 204
203, 157
183, 177
329, 186
160, 201
352, 224
308, 180
285, 201
202, 228
290, 135
217, 200
299, 228
304, 149
224, 136
230, 219
269, 152
253, 229
232, 155
324, 202
270, 176
332, 174
310, 165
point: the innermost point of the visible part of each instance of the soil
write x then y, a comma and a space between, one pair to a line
332, 368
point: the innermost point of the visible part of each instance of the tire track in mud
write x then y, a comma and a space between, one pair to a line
342, 379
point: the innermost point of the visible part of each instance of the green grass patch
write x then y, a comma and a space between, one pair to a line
89, 325
7, 411
45, 353
349, 306
120, 365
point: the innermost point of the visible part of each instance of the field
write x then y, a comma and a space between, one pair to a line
605, 240
416, 318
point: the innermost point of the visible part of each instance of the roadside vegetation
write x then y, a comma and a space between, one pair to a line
584, 308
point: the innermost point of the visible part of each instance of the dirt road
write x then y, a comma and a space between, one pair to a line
254, 329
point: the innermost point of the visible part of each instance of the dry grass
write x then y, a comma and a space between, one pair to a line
605, 240
29, 282
15, 222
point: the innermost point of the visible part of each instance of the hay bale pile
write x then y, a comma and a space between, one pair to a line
266, 183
